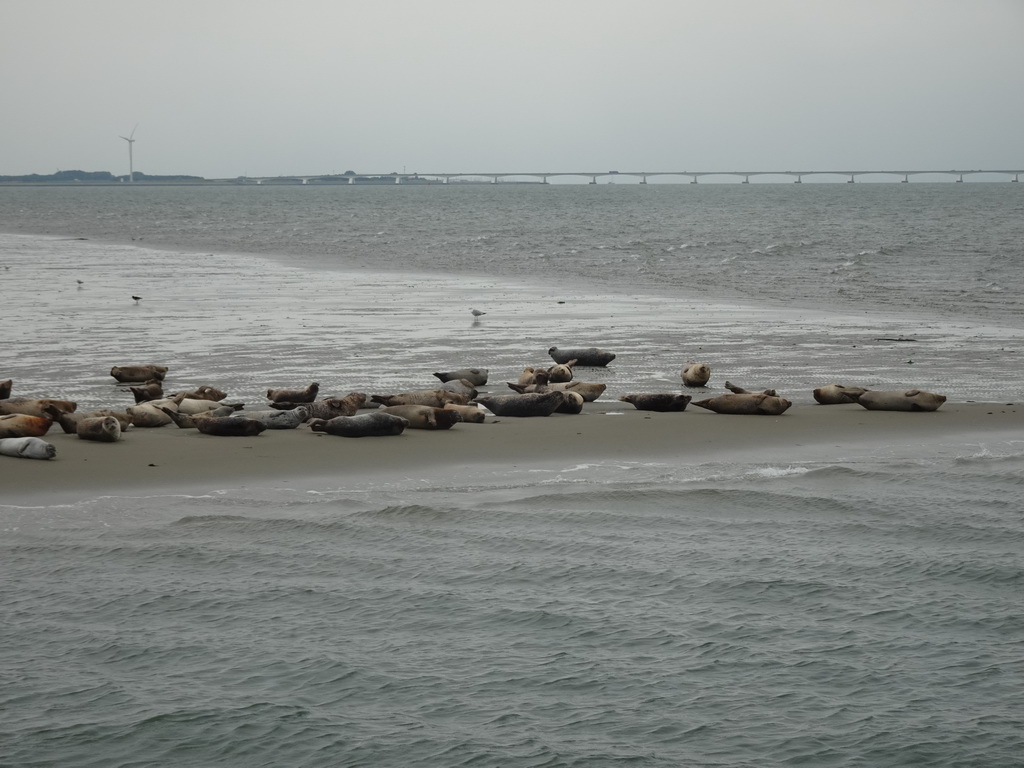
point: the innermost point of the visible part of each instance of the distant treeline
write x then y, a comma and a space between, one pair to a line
91, 176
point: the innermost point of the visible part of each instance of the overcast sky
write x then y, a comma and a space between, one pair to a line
223, 88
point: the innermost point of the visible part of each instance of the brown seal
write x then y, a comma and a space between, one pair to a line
148, 414
475, 376
696, 374
151, 390
835, 394
307, 395
764, 405
590, 390
901, 400
126, 374
377, 424
592, 357
229, 426
42, 406
328, 408
5, 388
432, 397
469, 413
741, 391
69, 421
662, 402
24, 425
205, 392
561, 372
572, 402
102, 429
424, 416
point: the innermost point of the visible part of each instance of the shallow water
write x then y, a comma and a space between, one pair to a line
861, 609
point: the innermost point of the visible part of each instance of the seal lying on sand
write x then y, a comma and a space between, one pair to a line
229, 426
433, 397
151, 414
276, 419
151, 390
531, 404
696, 374
102, 429
469, 413
127, 374
765, 405
460, 387
475, 376
424, 416
27, 448
69, 421
741, 391
378, 424
43, 406
188, 421
662, 402
5, 388
205, 392
24, 425
572, 402
902, 400
591, 356
328, 408
834, 394
307, 395
561, 372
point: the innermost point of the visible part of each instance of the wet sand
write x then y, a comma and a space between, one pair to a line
169, 459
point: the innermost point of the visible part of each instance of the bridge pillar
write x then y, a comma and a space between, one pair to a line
544, 180
746, 179
643, 179
1014, 177
593, 179
799, 179
850, 180
693, 180
960, 180
906, 178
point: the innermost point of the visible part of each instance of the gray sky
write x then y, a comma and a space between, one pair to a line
222, 88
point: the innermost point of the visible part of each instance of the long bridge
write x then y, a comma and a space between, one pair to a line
643, 176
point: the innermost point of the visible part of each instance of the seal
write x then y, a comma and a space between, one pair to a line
277, 419
69, 421
328, 408
126, 374
147, 415
531, 377
205, 392
460, 387
561, 372
834, 394
531, 404
901, 400
424, 416
470, 414
188, 421
151, 390
764, 405
696, 374
199, 407
42, 406
741, 391
592, 357
475, 376
572, 402
102, 429
5, 388
590, 390
27, 448
432, 397
378, 424
229, 426
307, 395
24, 425
662, 402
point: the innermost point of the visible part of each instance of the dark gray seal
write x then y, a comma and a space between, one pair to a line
475, 376
530, 404
5, 388
378, 424
662, 402
591, 356
229, 426
764, 405
129, 374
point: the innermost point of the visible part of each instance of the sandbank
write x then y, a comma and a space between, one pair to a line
169, 459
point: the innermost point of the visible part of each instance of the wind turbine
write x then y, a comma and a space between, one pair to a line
130, 139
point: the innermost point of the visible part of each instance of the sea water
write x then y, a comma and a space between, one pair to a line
859, 610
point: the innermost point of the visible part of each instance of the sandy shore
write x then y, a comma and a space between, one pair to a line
185, 461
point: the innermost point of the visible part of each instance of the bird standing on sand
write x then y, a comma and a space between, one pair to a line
137, 299
477, 312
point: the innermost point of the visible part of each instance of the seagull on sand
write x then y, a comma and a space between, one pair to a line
137, 299
476, 312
